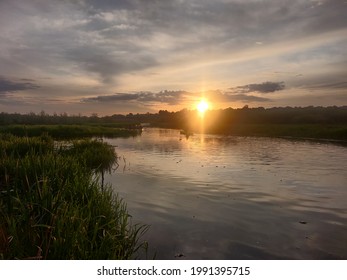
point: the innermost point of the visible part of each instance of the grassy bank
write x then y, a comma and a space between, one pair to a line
52, 207
69, 131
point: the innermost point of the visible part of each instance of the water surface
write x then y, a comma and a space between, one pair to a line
218, 197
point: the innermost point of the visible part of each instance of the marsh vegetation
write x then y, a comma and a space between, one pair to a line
52, 204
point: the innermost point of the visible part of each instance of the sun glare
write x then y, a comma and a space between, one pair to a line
202, 106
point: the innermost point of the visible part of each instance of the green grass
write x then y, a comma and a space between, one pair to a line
53, 207
94, 154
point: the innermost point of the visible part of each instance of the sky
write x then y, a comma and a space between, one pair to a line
130, 56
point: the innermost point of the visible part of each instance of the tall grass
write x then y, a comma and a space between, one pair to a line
52, 207
95, 154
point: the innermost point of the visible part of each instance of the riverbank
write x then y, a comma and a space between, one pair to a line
70, 131
52, 205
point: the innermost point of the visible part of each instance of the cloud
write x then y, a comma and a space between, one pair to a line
7, 86
107, 63
246, 98
117, 44
265, 87
335, 85
167, 97
112, 98
220, 96
164, 97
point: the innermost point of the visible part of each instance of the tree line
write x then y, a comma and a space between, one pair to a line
180, 119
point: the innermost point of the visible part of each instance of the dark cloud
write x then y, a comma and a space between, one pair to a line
165, 97
265, 87
7, 85
232, 97
227, 96
246, 98
112, 98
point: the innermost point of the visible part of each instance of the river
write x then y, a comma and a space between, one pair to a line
219, 197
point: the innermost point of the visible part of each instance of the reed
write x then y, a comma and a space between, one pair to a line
53, 207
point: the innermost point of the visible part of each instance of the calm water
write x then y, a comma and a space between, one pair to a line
217, 197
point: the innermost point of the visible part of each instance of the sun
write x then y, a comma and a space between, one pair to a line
202, 106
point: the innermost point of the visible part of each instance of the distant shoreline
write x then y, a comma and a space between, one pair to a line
322, 123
